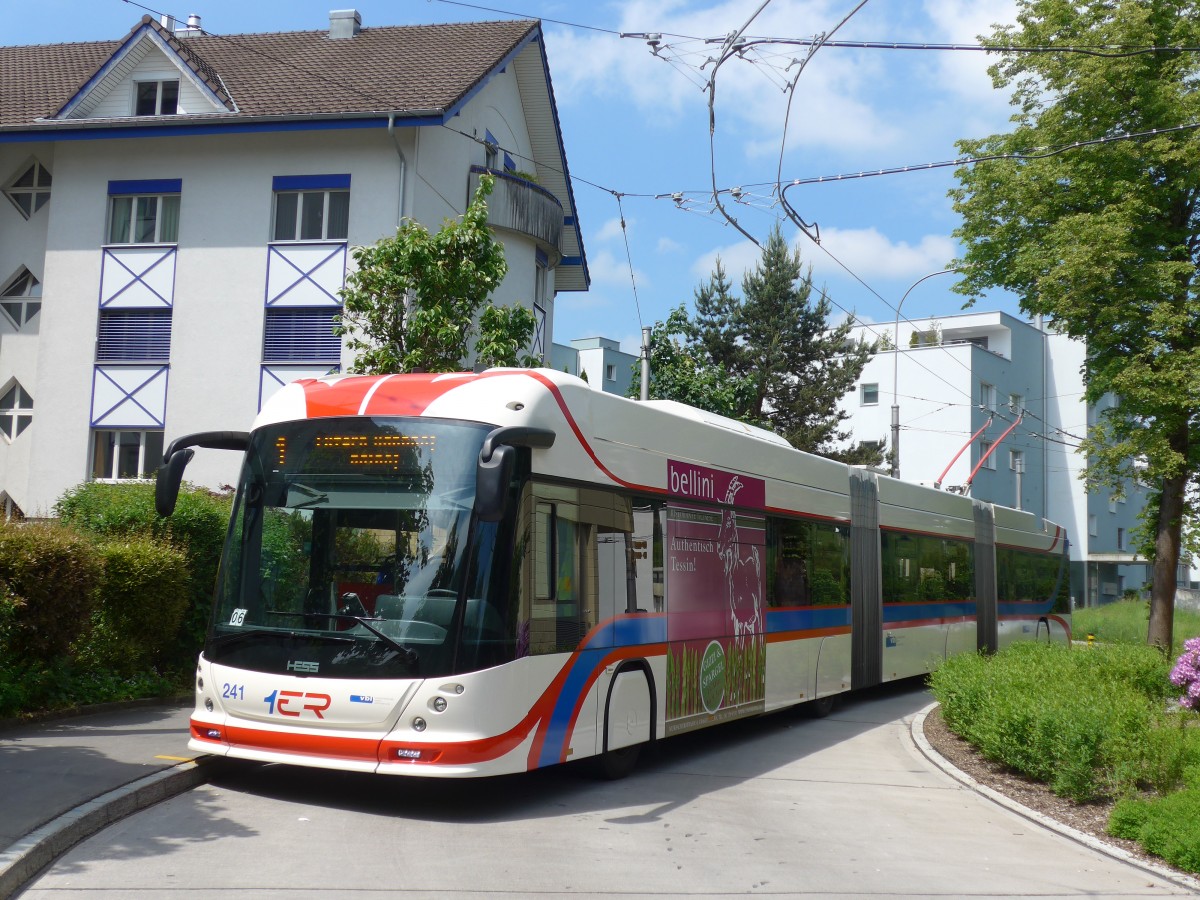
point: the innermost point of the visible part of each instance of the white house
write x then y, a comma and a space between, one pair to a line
599, 360
987, 400
180, 209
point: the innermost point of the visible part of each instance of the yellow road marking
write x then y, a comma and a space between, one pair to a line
178, 758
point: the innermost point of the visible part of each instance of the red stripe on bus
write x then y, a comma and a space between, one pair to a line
295, 742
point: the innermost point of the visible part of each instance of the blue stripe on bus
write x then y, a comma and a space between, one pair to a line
582, 666
810, 619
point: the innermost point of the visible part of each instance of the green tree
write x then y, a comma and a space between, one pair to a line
681, 371
1103, 239
770, 358
412, 301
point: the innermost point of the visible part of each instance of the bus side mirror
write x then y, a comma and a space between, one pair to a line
491, 483
497, 458
179, 454
170, 476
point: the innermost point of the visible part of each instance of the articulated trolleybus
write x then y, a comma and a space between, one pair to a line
475, 574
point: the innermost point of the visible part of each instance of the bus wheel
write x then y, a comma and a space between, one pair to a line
819, 708
617, 764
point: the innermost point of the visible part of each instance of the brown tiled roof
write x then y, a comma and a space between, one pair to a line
298, 73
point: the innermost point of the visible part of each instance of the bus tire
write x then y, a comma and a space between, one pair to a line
616, 764
819, 708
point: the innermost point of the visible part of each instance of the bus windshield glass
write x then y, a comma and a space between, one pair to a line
350, 548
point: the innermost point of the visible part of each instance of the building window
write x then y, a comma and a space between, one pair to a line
610, 372
491, 150
16, 411
21, 298
143, 219
301, 335
987, 396
311, 208
870, 394
1016, 460
156, 98
1016, 404
134, 335
1120, 538
988, 458
1093, 528
29, 191
121, 455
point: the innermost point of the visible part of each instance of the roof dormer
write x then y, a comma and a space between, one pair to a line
152, 74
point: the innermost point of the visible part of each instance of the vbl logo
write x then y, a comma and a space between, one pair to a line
285, 703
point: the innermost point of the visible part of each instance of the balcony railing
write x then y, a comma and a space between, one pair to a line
519, 205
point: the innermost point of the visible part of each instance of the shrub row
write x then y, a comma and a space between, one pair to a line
110, 602
1089, 723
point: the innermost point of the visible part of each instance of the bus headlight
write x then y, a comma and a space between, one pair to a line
208, 704
419, 724
438, 704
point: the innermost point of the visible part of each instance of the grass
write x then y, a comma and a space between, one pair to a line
1126, 621
1094, 724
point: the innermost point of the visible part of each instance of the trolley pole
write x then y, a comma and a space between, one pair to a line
645, 363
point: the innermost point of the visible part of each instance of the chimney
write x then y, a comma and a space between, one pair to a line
192, 29
344, 23
168, 22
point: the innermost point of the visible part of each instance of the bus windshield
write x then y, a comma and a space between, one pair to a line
350, 549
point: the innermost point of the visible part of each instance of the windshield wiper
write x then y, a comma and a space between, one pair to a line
410, 655
243, 635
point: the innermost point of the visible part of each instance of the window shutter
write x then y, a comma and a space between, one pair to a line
301, 335
134, 335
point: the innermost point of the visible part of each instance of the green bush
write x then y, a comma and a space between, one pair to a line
142, 598
1167, 826
64, 685
1078, 720
49, 576
197, 527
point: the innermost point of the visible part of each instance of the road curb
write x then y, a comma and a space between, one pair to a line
22, 861
917, 730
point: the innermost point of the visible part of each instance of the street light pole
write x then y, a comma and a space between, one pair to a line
896, 372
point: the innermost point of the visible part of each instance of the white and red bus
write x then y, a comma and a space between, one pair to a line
475, 574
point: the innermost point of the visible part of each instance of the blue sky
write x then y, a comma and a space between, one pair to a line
638, 125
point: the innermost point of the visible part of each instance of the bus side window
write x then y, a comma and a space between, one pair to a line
648, 529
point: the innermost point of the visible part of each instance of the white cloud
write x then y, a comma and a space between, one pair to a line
828, 111
666, 245
610, 230
871, 254
736, 258
609, 270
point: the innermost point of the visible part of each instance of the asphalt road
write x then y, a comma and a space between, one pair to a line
781, 806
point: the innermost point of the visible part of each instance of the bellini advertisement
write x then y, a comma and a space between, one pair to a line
716, 613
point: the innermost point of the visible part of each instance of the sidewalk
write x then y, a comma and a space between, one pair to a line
64, 779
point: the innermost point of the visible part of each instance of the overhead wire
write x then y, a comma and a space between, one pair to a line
730, 48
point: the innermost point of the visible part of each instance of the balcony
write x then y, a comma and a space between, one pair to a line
517, 204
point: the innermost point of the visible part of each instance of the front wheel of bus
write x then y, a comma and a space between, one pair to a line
616, 764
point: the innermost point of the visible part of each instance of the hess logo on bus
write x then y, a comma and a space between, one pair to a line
297, 703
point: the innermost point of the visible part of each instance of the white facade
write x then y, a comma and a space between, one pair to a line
213, 284
952, 377
598, 360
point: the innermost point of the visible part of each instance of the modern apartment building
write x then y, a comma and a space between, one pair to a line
987, 400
